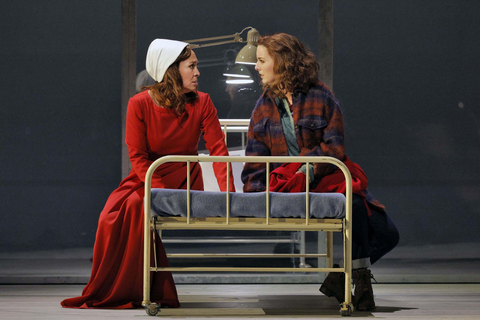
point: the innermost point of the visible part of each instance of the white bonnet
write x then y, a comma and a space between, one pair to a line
160, 55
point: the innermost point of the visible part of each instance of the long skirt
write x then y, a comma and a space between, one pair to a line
117, 271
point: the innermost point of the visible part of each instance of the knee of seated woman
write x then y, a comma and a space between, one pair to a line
359, 204
387, 232
393, 237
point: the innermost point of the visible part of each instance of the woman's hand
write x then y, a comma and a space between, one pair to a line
309, 178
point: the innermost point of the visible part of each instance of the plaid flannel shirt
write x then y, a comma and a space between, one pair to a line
319, 131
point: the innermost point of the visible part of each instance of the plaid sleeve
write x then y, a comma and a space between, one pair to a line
332, 142
253, 174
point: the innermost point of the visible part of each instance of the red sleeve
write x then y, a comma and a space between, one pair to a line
215, 142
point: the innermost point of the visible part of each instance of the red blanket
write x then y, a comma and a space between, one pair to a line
285, 179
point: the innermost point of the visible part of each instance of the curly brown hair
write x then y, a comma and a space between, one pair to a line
168, 93
294, 66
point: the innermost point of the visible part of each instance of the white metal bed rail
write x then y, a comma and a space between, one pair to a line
235, 125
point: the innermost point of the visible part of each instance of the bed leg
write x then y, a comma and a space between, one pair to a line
146, 263
329, 239
151, 308
154, 232
346, 309
302, 264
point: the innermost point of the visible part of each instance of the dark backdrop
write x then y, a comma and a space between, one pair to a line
406, 74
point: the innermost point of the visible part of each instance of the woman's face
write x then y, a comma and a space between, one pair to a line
264, 65
189, 72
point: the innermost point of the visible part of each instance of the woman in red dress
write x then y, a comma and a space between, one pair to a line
165, 119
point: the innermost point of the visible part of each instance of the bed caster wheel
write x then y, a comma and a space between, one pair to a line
346, 309
152, 309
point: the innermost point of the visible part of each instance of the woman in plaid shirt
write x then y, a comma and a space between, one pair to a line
298, 115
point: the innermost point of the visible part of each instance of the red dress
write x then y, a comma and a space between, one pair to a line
117, 272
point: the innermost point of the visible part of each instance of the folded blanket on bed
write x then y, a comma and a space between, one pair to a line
168, 202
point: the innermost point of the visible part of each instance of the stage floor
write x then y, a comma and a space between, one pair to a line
423, 282
234, 301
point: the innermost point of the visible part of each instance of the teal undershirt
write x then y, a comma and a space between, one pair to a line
289, 131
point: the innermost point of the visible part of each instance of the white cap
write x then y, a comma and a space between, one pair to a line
160, 55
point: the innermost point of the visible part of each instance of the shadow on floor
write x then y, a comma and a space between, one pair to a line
276, 305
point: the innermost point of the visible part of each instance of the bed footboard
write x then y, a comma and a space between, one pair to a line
229, 221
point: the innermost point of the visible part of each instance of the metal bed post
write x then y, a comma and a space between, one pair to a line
146, 303
303, 264
189, 198
346, 307
329, 240
267, 194
227, 220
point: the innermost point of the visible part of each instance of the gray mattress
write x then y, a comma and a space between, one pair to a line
168, 202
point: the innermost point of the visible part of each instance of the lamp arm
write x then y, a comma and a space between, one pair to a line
236, 38
194, 45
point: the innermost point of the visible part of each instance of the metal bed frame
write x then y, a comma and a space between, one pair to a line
267, 223
298, 238
295, 239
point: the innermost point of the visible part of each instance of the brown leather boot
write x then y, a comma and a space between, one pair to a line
334, 285
363, 294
